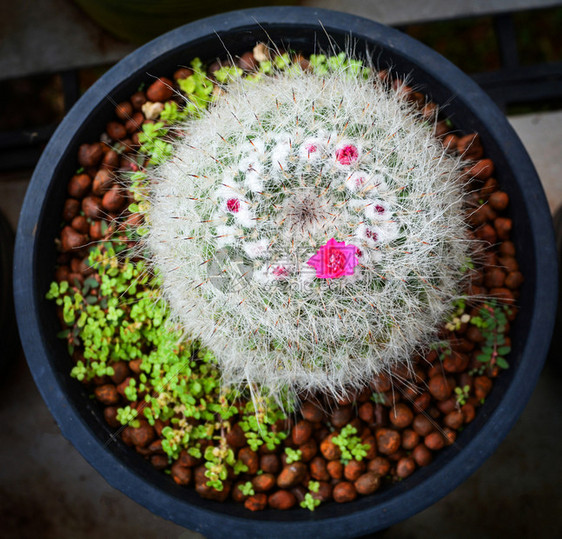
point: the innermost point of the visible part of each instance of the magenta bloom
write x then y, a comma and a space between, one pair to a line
347, 155
233, 205
333, 260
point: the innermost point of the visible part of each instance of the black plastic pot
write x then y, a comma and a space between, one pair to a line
298, 28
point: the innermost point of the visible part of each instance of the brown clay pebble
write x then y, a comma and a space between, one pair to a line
499, 200
311, 412
102, 182
110, 415
138, 99
236, 437
422, 425
301, 432
62, 273
89, 155
503, 227
482, 386
381, 383
344, 492
80, 224
434, 441
468, 412
410, 439
143, 435
401, 415
454, 419
96, 230
335, 469
450, 436
422, 455
421, 402
107, 394
503, 294
247, 62
282, 500
329, 449
487, 233
507, 248
91, 206
367, 483
308, 450
210, 493
341, 416
440, 387
160, 462
160, 90
405, 467
70, 209
120, 371
514, 280
114, 199
70, 239
180, 474
116, 130
263, 482
185, 459
124, 110
379, 465
482, 169
494, 278
250, 459
366, 412
182, 73
291, 475
257, 502
447, 405
135, 123
79, 185
388, 441
110, 160
318, 469
126, 436
470, 147
270, 463
353, 469
135, 365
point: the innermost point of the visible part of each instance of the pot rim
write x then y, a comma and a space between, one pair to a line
207, 517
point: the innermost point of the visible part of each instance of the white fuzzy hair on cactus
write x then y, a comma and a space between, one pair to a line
309, 230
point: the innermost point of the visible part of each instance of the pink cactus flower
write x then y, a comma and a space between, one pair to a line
233, 205
347, 154
334, 260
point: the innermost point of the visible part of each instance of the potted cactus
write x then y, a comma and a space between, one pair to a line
311, 240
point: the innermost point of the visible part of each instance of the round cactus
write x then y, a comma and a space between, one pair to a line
309, 230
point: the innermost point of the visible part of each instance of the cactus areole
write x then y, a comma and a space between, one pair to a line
471, 110
308, 229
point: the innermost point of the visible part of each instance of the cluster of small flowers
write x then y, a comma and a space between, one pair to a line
263, 166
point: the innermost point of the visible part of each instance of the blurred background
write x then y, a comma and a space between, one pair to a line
51, 51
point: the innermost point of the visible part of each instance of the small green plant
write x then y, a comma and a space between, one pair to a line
293, 455
378, 398
310, 502
350, 445
461, 395
247, 489
127, 416
492, 322
458, 317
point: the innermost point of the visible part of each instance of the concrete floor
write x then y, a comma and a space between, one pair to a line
47, 490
